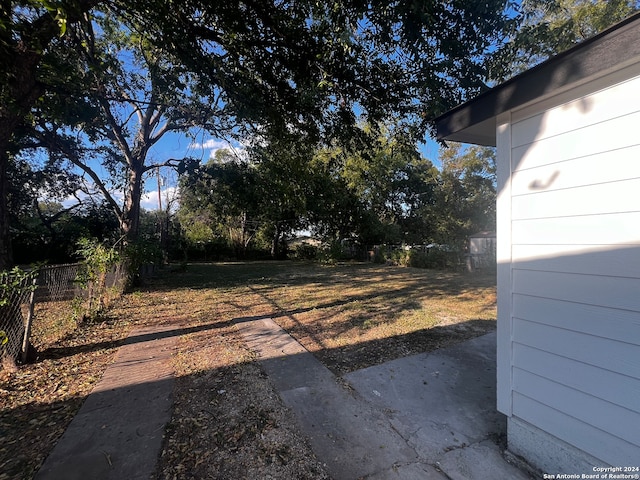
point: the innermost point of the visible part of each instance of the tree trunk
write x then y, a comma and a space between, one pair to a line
275, 242
244, 235
130, 223
6, 259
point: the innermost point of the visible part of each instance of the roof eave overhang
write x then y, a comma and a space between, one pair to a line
475, 120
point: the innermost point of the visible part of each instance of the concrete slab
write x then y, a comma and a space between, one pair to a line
118, 431
276, 348
478, 462
438, 401
444, 404
414, 471
428, 416
353, 439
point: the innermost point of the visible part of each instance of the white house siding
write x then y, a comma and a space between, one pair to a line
569, 267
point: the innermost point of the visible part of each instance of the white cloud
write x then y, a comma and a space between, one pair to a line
211, 144
214, 145
149, 200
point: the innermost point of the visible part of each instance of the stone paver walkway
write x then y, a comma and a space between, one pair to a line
117, 433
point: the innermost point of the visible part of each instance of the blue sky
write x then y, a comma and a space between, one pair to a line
174, 145
203, 148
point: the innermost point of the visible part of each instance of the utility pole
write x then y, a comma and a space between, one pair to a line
159, 189
163, 220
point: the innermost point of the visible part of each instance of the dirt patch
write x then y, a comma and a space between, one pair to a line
39, 400
228, 422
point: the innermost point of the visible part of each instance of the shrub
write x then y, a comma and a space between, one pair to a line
331, 253
380, 255
139, 255
433, 258
97, 261
306, 252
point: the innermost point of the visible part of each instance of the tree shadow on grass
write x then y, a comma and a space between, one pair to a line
348, 358
274, 274
58, 352
47, 428
375, 299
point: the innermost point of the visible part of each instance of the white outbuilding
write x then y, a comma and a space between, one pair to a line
567, 134
482, 250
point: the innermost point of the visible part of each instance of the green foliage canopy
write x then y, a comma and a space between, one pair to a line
544, 28
278, 66
316, 65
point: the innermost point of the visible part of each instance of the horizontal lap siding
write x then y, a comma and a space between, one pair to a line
582, 435
604, 167
614, 292
609, 323
591, 351
588, 200
608, 229
611, 135
591, 108
575, 279
623, 260
615, 388
618, 421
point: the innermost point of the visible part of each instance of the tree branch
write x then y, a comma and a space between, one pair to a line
55, 144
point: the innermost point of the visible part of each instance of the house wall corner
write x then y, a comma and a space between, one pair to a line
547, 453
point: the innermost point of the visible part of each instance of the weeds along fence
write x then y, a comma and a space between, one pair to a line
52, 301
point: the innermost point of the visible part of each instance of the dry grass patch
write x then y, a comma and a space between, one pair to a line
354, 316
228, 422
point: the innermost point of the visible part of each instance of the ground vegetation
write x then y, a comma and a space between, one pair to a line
228, 422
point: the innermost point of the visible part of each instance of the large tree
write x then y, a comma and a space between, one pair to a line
30, 41
282, 185
221, 199
465, 197
310, 63
141, 94
376, 193
278, 66
235, 198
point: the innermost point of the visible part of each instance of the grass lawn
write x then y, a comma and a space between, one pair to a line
355, 315
228, 422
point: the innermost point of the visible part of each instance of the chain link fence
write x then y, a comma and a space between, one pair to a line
53, 300
16, 298
58, 283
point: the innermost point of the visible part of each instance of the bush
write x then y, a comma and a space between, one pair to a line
97, 261
399, 257
433, 258
305, 252
380, 255
420, 259
331, 253
141, 254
